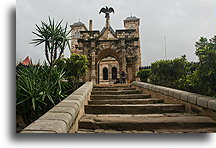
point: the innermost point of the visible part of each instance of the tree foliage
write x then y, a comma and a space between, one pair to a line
55, 37
205, 73
168, 72
144, 75
75, 67
199, 77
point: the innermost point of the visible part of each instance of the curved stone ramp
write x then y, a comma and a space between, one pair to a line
121, 112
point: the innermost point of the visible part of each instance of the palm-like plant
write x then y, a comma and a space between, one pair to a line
55, 38
35, 93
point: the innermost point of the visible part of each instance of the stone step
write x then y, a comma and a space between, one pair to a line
112, 89
127, 101
111, 86
110, 131
128, 96
134, 109
118, 92
153, 122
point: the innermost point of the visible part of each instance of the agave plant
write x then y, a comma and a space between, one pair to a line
36, 92
55, 37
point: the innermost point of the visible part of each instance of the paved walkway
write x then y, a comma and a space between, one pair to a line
122, 109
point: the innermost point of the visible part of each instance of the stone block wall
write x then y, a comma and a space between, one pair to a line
193, 102
63, 117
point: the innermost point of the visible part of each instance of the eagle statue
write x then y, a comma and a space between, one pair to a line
107, 11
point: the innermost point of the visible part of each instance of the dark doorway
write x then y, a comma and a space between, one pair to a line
114, 73
105, 73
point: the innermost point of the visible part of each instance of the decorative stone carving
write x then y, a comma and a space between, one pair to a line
123, 45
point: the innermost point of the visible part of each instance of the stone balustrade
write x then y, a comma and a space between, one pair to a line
194, 102
63, 117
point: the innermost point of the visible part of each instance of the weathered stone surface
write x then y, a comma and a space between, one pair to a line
69, 110
77, 102
83, 92
116, 115
112, 89
184, 96
166, 91
212, 104
68, 104
127, 101
128, 96
203, 101
38, 132
177, 94
192, 98
116, 92
147, 123
66, 117
75, 97
133, 109
48, 125
154, 87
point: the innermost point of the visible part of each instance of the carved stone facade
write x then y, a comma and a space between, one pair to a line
122, 45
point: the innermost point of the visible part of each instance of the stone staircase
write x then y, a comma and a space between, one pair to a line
122, 109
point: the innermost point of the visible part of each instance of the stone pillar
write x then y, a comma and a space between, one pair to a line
124, 63
137, 63
90, 25
109, 73
107, 21
93, 74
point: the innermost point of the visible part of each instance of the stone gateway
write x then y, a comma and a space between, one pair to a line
109, 51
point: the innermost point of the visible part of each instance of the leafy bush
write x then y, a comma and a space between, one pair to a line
194, 77
74, 67
168, 72
37, 90
144, 74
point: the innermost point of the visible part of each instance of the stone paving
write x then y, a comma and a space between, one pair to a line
122, 109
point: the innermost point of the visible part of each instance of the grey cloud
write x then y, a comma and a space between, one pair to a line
181, 21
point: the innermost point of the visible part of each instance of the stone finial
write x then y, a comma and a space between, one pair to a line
90, 25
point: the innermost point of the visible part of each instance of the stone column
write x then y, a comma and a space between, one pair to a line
109, 73
93, 74
137, 63
124, 63
107, 21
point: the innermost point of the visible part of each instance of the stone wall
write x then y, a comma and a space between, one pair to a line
194, 103
63, 117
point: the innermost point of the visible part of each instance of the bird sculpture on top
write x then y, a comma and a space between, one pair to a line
107, 11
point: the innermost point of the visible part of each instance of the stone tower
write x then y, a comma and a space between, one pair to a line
133, 22
77, 27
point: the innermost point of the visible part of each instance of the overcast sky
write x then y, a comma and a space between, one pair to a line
182, 22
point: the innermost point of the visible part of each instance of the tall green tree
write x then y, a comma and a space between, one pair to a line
205, 74
55, 38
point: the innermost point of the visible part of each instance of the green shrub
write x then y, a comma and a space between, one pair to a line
144, 74
168, 72
39, 87
197, 77
37, 90
74, 67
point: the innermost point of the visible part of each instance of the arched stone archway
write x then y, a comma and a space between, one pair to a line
102, 55
123, 45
